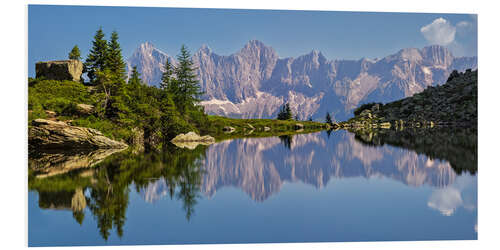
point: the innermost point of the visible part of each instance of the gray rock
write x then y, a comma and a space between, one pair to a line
46, 134
228, 129
60, 70
299, 126
85, 109
193, 137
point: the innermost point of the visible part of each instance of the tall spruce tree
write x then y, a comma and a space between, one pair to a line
188, 92
167, 80
285, 112
288, 112
96, 60
74, 54
328, 118
114, 59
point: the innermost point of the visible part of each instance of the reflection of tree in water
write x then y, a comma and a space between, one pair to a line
456, 145
329, 133
287, 140
109, 183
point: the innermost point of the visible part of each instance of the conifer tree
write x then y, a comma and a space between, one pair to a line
167, 80
188, 91
135, 77
288, 112
75, 53
328, 118
285, 112
114, 59
96, 60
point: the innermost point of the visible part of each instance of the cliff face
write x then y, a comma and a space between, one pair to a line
254, 82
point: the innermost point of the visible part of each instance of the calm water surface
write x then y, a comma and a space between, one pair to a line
315, 187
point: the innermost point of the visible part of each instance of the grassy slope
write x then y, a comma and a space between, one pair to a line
63, 96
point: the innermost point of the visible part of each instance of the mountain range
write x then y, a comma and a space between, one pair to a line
255, 82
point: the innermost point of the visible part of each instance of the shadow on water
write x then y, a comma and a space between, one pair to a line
104, 188
457, 145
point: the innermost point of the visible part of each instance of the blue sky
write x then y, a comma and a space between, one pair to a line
54, 30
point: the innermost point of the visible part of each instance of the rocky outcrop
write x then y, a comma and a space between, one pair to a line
60, 70
46, 134
191, 140
454, 103
84, 109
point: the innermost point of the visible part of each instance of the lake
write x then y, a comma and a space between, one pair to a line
318, 187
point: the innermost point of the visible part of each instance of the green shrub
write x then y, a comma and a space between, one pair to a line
360, 109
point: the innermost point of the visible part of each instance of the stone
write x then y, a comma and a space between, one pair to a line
50, 113
366, 113
60, 70
46, 134
298, 126
193, 137
375, 107
385, 125
191, 140
85, 109
228, 129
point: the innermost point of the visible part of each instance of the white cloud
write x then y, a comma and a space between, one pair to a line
440, 32
464, 24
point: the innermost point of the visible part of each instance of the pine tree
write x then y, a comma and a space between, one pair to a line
285, 112
74, 54
328, 118
188, 88
167, 80
288, 112
96, 60
114, 60
135, 77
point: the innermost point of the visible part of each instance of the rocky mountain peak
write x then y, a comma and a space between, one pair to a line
436, 54
205, 49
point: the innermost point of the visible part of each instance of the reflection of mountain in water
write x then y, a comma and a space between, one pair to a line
260, 166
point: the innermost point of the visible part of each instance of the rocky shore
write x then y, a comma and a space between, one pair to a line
453, 103
47, 134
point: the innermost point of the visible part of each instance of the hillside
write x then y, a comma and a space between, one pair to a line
453, 103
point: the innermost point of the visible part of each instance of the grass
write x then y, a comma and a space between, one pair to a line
242, 128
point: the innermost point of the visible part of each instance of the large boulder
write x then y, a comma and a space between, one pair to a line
191, 140
46, 134
193, 137
60, 70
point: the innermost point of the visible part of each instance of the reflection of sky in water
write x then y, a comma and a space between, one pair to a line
462, 193
310, 188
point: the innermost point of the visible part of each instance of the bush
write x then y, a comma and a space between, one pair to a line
360, 109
